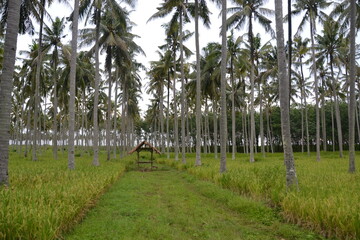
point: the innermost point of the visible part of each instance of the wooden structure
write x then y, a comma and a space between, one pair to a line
144, 146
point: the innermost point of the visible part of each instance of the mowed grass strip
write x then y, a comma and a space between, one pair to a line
168, 204
45, 198
328, 201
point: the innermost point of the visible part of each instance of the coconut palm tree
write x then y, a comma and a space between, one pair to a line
312, 11
291, 178
6, 85
52, 41
248, 11
300, 51
342, 10
233, 50
92, 10
329, 44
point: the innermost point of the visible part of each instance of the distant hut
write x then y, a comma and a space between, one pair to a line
144, 146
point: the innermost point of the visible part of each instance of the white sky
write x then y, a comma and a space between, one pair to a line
152, 34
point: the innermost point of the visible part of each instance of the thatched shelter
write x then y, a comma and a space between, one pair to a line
144, 146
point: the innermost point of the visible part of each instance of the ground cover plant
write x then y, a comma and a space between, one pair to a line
169, 204
328, 196
45, 198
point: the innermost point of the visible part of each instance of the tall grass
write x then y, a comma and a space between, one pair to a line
328, 200
45, 198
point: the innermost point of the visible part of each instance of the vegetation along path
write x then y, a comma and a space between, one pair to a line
168, 204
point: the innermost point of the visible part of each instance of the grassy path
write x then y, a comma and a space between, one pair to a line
168, 204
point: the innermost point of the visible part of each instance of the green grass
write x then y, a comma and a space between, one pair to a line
45, 198
328, 201
168, 204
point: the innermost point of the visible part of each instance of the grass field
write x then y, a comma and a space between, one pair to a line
45, 198
168, 204
328, 201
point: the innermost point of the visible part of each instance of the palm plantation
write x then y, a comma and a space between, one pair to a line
245, 95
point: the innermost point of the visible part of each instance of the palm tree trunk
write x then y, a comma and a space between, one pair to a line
337, 110
27, 133
352, 104
323, 123
247, 140
162, 138
96, 92
71, 150
223, 120
332, 126
312, 27
115, 112
291, 178
305, 106
261, 123
215, 129
108, 120
203, 128
183, 146
233, 117
123, 121
176, 122
37, 83
252, 86
198, 87
55, 147
167, 118
6, 86
302, 124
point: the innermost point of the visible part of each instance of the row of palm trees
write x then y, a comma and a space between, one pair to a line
259, 71
241, 69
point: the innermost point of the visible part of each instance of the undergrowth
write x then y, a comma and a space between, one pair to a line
45, 198
328, 200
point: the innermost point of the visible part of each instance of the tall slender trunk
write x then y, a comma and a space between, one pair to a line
115, 111
269, 130
291, 178
243, 131
71, 150
37, 84
162, 138
55, 123
108, 120
123, 123
27, 133
324, 137
337, 110
302, 123
247, 140
252, 90
317, 112
215, 129
305, 106
167, 118
183, 146
223, 120
176, 122
352, 104
96, 92
6, 86
198, 87
261, 123
233, 117
332, 126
